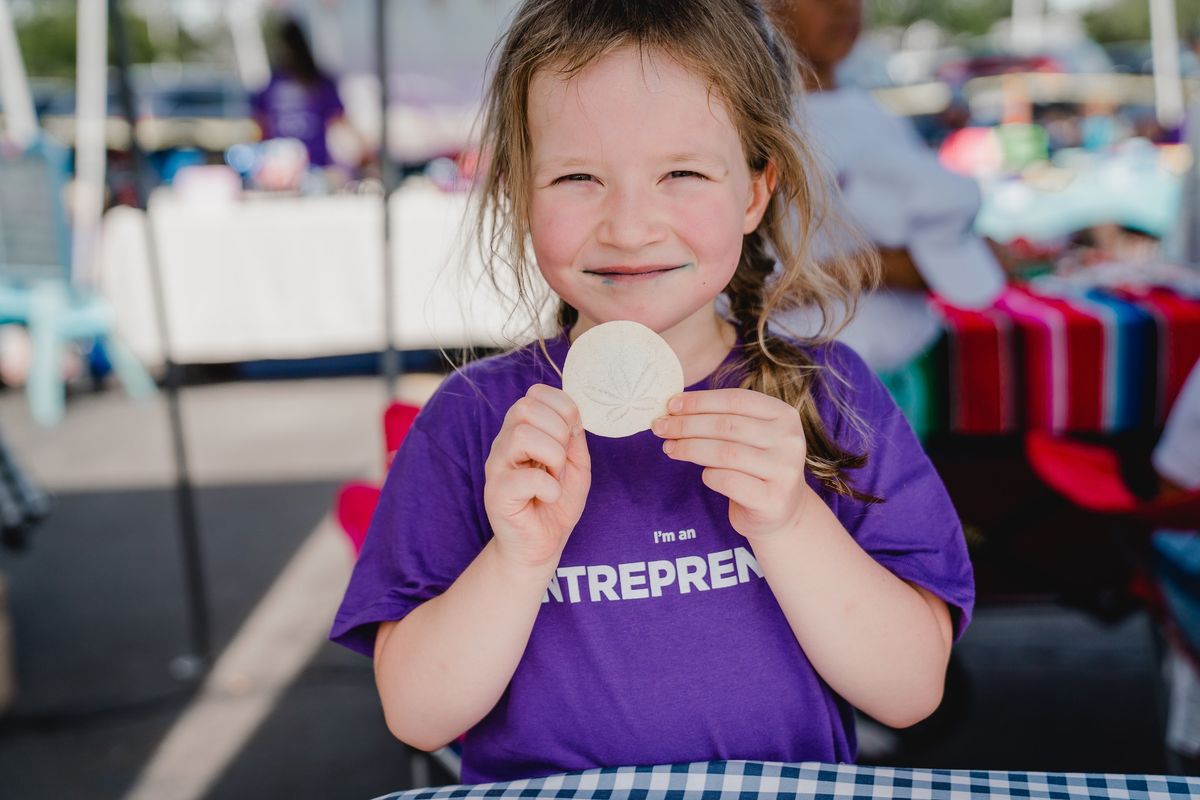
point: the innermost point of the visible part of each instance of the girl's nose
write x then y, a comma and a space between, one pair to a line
629, 221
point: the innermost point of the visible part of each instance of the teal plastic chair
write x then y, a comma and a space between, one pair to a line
35, 286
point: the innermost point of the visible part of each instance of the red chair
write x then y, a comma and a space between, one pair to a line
354, 506
1089, 476
355, 502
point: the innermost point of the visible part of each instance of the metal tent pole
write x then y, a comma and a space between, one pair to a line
20, 118
19, 115
392, 357
193, 664
91, 113
249, 49
1164, 43
1190, 223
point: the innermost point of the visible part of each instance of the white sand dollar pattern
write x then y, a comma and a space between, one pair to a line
621, 375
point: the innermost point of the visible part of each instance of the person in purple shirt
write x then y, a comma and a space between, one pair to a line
300, 101
776, 551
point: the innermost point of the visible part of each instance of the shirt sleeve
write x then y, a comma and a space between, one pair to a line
427, 528
915, 532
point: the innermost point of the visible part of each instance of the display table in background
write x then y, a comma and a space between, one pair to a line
753, 780
297, 277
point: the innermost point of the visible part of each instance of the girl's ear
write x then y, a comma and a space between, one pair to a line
762, 186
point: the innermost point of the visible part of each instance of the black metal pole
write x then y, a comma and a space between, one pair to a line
391, 356
1190, 224
196, 662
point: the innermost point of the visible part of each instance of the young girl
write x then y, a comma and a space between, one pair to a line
724, 586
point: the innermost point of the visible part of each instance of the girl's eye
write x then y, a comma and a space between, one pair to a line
683, 173
574, 178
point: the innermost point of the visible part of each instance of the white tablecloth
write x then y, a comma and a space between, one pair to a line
263, 278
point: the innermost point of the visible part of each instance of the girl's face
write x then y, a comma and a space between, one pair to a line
640, 193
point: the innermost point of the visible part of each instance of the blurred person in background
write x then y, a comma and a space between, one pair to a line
918, 214
301, 101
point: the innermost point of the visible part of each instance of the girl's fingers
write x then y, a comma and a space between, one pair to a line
526, 443
519, 486
726, 455
737, 486
534, 410
557, 401
743, 402
726, 427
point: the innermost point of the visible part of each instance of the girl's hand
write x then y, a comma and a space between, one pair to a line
537, 477
752, 447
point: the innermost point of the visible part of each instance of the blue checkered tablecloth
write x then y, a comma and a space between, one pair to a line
756, 780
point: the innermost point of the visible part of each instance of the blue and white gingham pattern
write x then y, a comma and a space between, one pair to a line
756, 780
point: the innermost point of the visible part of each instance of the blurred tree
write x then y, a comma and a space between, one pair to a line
957, 16
47, 38
1129, 20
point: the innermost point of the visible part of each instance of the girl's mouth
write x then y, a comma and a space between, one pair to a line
615, 275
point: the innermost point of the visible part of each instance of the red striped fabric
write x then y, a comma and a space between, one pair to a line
1084, 367
1050, 363
980, 383
1178, 320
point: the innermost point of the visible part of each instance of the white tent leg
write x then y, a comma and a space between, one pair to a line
250, 51
1168, 84
19, 115
91, 114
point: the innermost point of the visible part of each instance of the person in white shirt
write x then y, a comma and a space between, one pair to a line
917, 213
1176, 457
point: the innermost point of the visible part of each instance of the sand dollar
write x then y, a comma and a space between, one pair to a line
621, 375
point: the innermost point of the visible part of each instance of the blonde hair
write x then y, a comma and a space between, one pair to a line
733, 46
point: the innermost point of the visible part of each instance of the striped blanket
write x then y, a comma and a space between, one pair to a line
1098, 360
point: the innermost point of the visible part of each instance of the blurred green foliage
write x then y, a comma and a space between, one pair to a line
1122, 20
1127, 20
47, 39
973, 17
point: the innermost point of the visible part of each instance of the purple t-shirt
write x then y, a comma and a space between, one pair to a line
659, 640
289, 108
